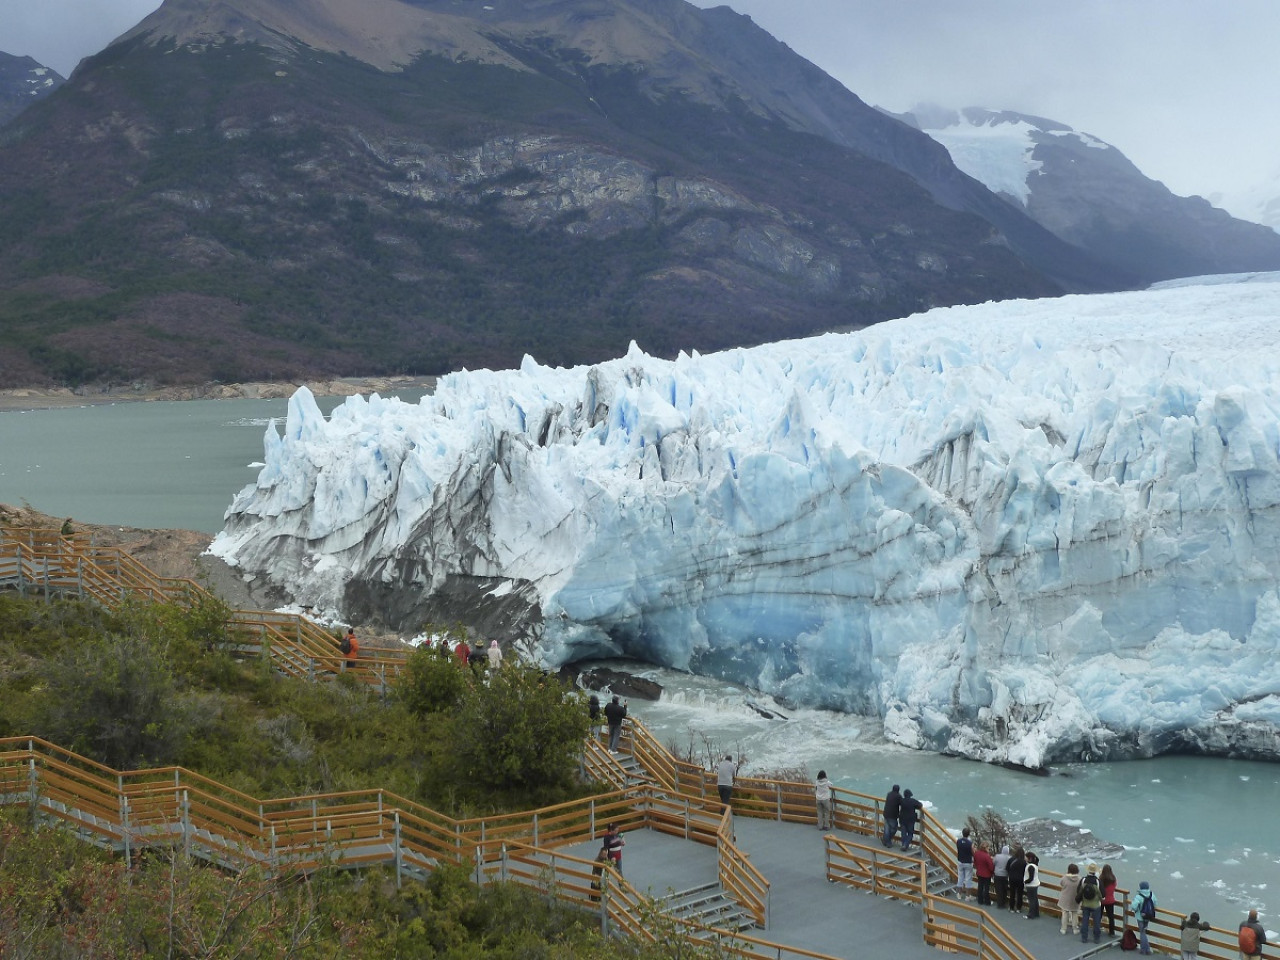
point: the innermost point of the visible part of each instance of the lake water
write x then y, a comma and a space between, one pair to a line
157, 464
1203, 831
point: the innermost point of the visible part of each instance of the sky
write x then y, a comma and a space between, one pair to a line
1189, 90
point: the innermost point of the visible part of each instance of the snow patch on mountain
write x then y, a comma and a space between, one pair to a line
1022, 531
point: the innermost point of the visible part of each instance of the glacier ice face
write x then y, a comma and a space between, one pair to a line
1022, 531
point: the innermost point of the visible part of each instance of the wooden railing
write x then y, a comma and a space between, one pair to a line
957, 927
172, 804
873, 869
72, 565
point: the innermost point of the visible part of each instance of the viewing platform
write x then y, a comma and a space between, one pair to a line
761, 881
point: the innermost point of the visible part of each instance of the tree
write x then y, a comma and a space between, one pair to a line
521, 731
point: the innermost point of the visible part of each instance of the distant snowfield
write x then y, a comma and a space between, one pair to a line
1023, 531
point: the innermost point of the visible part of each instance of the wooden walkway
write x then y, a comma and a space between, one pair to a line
802, 892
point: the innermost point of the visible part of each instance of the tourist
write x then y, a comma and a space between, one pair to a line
593, 713
1144, 911
1091, 905
726, 771
1108, 882
613, 843
822, 798
597, 872
964, 864
1067, 901
463, 652
1001, 876
1031, 884
1017, 868
892, 807
615, 713
1251, 946
495, 655
1191, 928
908, 814
985, 868
350, 647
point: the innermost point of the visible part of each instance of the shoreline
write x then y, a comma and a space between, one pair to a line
20, 399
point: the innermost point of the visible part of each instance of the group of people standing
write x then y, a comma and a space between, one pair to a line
469, 656
1008, 880
901, 812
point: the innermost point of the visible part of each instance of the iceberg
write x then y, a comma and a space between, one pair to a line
1024, 532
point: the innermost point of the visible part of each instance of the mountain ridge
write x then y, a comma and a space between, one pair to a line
1088, 193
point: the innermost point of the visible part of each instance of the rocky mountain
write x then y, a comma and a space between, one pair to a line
1088, 193
258, 189
23, 81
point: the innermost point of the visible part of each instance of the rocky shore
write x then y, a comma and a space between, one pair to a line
36, 398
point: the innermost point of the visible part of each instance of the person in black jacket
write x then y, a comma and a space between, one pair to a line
892, 806
1017, 876
615, 713
908, 814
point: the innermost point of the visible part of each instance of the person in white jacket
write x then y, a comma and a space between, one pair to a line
822, 796
495, 655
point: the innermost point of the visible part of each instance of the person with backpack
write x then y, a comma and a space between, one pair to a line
1252, 936
1031, 884
1089, 896
1068, 902
1190, 940
1144, 911
964, 864
350, 647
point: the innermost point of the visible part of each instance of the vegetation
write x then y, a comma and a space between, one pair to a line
990, 828
150, 684
62, 899
147, 685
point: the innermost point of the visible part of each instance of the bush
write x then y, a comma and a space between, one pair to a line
519, 735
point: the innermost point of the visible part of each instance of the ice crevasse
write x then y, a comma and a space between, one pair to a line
1024, 532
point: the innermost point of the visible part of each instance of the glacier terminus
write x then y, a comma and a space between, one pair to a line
1024, 532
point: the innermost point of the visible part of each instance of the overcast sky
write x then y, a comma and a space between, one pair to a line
1188, 89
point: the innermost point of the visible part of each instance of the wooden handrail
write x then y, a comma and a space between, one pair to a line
71, 563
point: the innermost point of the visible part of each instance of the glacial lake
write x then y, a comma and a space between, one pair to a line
1203, 831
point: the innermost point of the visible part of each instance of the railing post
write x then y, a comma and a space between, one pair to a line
186, 824
274, 855
80, 577
33, 781
479, 866
535, 830
124, 830
398, 863
777, 800
686, 819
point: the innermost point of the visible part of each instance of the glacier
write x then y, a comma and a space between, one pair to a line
1024, 532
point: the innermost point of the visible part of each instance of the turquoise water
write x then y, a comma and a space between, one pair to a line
1203, 831
157, 464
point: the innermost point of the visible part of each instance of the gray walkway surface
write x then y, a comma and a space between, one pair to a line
805, 910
